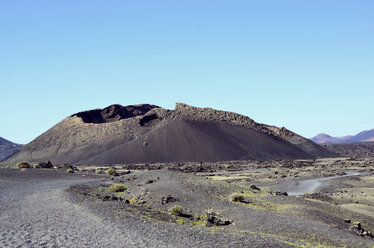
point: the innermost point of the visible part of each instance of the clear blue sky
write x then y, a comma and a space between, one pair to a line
305, 65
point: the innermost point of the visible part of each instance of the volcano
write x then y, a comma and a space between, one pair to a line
148, 134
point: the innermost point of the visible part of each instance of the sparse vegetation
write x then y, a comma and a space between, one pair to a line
117, 187
23, 165
177, 210
111, 171
69, 170
101, 189
145, 143
200, 221
182, 221
98, 171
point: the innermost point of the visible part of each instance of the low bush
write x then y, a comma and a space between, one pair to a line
176, 210
117, 187
23, 165
69, 170
111, 171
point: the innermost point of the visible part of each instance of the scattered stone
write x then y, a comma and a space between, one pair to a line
215, 220
359, 230
106, 198
255, 187
168, 199
66, 166
150, 181
126, 172
43, 165
281, 193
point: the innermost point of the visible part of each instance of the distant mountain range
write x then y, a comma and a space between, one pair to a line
150, 134
7, 148
364, 136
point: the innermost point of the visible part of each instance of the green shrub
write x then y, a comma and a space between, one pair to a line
23, 165
145, 143
176, 210
236, 197
69, 170
111, 171
98, 171
102, 189
117, 187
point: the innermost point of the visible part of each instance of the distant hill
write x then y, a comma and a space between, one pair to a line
364, 136
352, 150
147, 134
7, 148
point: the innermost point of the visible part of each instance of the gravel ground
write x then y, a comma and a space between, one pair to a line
46, 208
37, 211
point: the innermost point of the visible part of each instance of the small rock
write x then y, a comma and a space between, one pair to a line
167, 199
42, 165
214, 220
124, 173
359, 230
281, 193
255, 187
106, 198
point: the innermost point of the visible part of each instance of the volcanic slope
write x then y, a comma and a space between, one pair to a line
7, 148
147, 133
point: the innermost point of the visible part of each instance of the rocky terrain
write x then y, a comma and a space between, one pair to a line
149, 134
353, 150
282, 203
364, 136
7, 148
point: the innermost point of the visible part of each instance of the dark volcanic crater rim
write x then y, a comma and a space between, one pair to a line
113, 113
